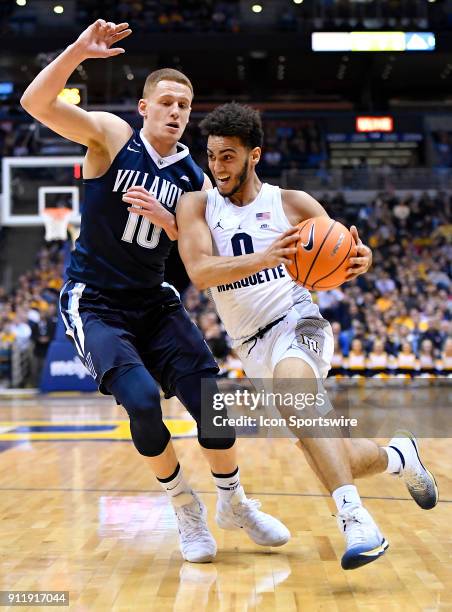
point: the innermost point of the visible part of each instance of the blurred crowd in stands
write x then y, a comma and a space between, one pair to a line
397, 318
28, 317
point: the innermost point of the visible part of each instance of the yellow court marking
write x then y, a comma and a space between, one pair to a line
14, 431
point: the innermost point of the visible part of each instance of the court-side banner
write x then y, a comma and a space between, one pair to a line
63, 370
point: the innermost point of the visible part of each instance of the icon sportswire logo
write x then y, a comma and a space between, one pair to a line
310, 243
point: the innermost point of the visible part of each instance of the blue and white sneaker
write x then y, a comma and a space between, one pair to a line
364, 541
421, 484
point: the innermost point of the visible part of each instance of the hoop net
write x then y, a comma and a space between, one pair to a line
56, 221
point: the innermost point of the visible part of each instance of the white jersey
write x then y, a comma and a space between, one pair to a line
248, 305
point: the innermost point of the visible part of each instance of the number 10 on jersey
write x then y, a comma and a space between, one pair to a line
143, 232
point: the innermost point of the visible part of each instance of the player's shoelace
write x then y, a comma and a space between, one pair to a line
354, 527
248, 512
191, 524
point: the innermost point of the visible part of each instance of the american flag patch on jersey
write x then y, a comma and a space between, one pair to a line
263, 215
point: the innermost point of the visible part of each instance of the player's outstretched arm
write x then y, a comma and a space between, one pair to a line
40, 99
195, 248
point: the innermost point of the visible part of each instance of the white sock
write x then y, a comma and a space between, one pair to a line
227, 484
394, 460
175, 484
346, 495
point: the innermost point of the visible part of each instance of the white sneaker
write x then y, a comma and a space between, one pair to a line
364, 541
420, 483
196, 542
242, 513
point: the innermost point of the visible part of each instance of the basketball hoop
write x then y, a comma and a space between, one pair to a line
56, 221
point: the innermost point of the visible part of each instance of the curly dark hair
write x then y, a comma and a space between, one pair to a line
234, 119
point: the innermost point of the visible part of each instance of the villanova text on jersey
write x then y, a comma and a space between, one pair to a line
118, 249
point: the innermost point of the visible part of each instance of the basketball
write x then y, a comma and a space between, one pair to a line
324, 247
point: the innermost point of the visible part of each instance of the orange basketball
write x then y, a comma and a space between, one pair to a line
324, 247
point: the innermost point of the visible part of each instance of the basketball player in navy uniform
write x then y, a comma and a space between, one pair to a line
128, 326
233, 240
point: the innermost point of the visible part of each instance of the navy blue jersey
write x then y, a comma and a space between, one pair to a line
121, 250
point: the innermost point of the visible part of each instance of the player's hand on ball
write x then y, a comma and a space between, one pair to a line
96, 41
362, 260
282, 249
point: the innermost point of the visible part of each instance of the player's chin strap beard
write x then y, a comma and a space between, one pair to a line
242, 178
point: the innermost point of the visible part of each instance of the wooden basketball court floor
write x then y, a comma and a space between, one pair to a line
80, 512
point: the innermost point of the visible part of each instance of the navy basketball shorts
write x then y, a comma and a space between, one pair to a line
150, 327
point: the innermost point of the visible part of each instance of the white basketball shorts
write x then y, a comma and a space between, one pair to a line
310, 339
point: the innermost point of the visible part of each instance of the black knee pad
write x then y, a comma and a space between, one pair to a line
137, 391
218, 443
149, 436
188, 391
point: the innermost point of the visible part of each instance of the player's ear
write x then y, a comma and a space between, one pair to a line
143, 107
256, 155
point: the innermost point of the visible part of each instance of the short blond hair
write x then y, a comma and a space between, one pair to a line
165, 74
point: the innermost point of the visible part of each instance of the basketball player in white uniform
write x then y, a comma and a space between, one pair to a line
235, 240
